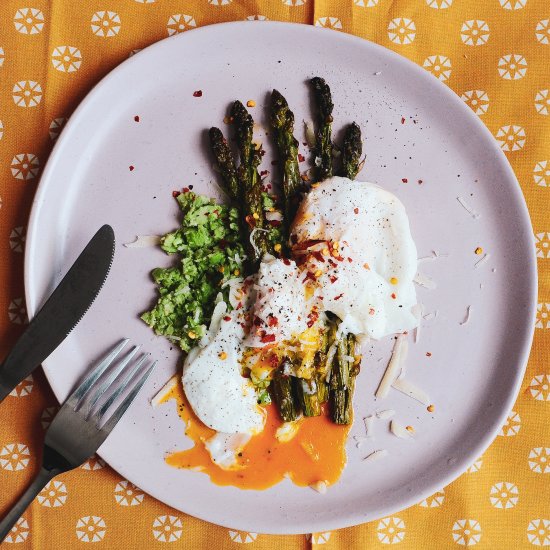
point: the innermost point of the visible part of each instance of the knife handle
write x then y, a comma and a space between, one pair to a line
39, 482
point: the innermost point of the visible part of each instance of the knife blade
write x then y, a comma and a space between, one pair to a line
62, 310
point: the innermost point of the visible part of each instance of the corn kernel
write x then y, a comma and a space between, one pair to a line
431, 408
366, 266
251, 103
394, 280
318, 273
221, 269
314, 185
222, 356
256, 216
478, 250
410, 429
227, 119
277, 247
236, 272
192, 334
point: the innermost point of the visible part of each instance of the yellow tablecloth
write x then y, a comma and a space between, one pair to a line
494, 53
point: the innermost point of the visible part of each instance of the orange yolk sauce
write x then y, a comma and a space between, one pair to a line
316, 453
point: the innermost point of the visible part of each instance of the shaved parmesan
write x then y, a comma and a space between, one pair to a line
434, 255
376, 455
387, 413
144, 241
468, 208
274, 216
399, 430
394, 366
286, 431
467, 317
252, 239
408, 388
425, 281
479, 263
369, 425
320, 487
310, 134
417, 310
161, 395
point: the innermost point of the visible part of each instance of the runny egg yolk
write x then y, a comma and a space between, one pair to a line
316, 453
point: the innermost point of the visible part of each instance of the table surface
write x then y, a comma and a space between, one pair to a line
494, 54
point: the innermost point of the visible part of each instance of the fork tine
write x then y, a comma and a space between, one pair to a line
111, 378
121, 409
75, 398
124, 384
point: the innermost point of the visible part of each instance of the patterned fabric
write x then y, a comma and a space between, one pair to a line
493, 53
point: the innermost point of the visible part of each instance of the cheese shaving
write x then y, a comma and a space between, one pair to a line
159, 397
479, 263
376, 455
467, 316
408, 388
387, 413
417, 310
310, 134
468, 208
394, 367
434, 256
425, 281
399, 430
369, 425
144, 241
320, 487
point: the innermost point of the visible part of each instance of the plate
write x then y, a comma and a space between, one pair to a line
421, 142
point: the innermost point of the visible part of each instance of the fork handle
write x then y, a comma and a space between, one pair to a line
39, 482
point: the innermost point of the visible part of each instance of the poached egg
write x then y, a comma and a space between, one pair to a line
354, 256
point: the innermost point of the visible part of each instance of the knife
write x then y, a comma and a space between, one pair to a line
62, 311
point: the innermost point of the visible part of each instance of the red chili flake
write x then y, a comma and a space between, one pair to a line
250, 220
356, 210
239, 305
402, 120
333, 279
176, 194
269, 186
286, 261
428, 354
404, 180
420, 182
186, 190
350, 260
268, 338
136, 118
272, 321
371, 311
293, 239
318, 256
339, 296
198, 93
393, 295
332, 262
247, 283
301, 158
257, 321
275, 223
227, 318
131, 168
264, 172
309, 276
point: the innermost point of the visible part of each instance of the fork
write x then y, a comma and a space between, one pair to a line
84, 422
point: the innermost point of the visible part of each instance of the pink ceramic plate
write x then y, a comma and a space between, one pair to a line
416, 130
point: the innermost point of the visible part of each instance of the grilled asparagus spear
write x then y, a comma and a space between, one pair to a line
282, 121
281, 390
342, 382
250, 182
325, 106
351, 152
225, 163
